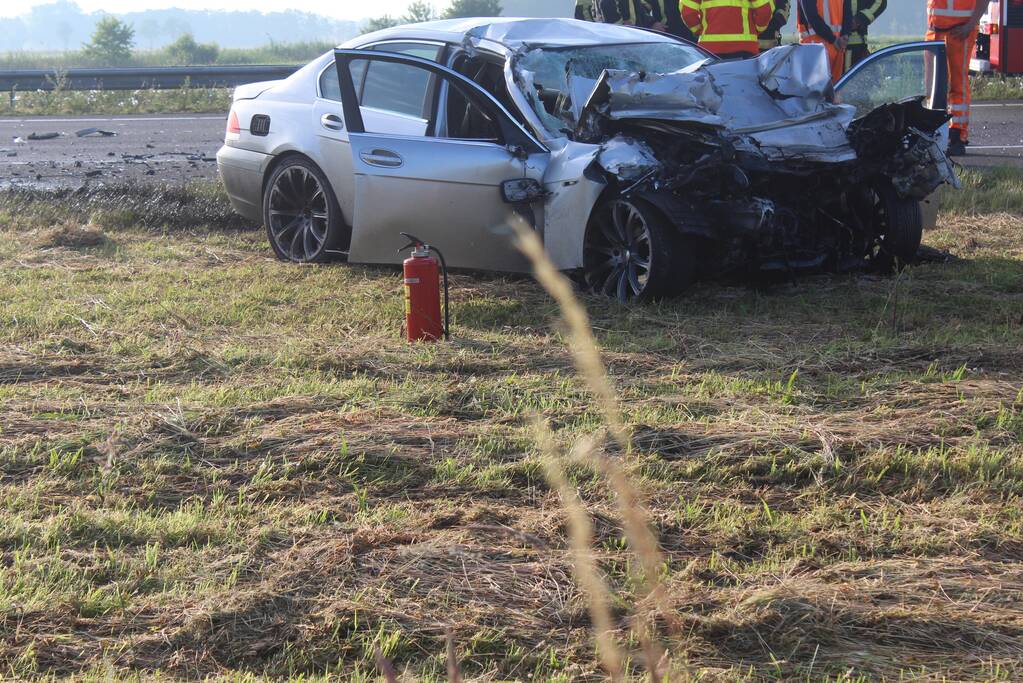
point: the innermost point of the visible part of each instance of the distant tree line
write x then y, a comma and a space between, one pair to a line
63, 26
112, 42
420, 11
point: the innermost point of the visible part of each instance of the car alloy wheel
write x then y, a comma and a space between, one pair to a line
301, 214
619, 252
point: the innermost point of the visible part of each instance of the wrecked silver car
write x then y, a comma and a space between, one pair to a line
643, 162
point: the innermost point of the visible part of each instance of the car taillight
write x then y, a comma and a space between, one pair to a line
233, 127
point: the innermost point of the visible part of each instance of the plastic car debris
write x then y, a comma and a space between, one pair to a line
43, 136
95, 133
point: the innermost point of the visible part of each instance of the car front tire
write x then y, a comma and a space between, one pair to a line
899, 227
632, 253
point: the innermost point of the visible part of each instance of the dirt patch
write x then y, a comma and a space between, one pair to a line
71, 236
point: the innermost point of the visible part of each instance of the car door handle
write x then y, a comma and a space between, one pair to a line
384, 158
332, 122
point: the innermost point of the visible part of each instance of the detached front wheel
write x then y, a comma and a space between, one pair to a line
632, 253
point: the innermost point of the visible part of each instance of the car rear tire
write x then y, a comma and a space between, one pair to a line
632, 253
899, 228
302, 215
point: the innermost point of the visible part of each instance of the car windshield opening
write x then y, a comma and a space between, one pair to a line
558, 81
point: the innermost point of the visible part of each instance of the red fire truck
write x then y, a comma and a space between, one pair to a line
1000, 44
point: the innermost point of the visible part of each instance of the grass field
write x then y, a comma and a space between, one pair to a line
218, 465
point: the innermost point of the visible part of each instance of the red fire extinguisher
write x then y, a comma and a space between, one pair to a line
422, 292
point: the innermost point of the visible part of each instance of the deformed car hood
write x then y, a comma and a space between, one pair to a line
777, 105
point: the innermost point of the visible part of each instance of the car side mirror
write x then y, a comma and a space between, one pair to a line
522, 191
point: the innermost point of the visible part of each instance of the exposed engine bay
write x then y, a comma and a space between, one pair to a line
757, 161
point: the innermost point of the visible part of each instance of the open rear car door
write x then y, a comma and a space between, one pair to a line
458, 185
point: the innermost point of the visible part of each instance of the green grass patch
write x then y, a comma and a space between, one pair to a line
986, 191
63, 102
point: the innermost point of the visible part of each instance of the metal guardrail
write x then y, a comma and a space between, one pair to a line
147, 78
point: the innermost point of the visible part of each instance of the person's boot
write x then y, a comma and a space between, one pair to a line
956, 144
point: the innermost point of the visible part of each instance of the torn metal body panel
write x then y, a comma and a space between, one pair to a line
574, 183
754, 160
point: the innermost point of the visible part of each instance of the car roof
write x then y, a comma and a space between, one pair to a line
514, 33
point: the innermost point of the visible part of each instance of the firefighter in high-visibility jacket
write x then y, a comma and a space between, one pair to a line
830, 23
956, 22
671, 21
584, 10
771, 37
865, 13
728, 28
644, 13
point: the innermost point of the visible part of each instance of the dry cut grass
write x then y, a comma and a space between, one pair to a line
218, 466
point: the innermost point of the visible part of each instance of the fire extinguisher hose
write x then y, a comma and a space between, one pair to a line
447, 314
416, 242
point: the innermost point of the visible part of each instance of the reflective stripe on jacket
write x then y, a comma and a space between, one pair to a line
631, 12
584, 10
728, 26
865, 13
771, 36
944, 14
827, 19
672, 14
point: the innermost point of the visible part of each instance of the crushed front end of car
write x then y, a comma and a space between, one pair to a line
754, 162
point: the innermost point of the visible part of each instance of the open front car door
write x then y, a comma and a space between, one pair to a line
456, 173
896, 74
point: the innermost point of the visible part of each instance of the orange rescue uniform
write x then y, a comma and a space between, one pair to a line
728, 27
833, 14
942, 17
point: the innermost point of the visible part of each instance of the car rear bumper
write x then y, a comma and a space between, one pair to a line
242, 172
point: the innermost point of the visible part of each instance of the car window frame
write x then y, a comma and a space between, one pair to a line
513, 134
941, 81
442, 55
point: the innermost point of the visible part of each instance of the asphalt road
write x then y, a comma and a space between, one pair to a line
173, 148
167, 148
996, 135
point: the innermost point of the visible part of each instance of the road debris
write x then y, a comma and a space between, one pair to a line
43, 136
95, 133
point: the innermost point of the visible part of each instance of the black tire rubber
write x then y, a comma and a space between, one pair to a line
672, 261
902, 231
336, 235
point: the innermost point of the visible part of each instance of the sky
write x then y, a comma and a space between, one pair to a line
345, 9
